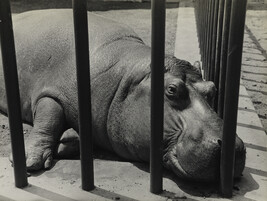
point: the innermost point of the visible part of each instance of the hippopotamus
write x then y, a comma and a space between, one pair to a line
120, 89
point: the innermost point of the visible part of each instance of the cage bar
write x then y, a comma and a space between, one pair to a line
12, 94
223, 60
236, 36
157, 94
214, 37
218, 51
84, 92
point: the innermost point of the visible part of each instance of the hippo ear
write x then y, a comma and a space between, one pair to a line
207, 89
197, 65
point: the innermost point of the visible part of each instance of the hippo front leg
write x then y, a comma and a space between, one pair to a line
48, 126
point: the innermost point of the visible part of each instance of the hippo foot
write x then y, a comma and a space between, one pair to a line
38, 156
68, 145
48, 126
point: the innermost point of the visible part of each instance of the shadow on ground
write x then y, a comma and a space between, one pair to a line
242, 185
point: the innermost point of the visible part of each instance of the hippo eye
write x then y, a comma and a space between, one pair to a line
172, 89
178, 95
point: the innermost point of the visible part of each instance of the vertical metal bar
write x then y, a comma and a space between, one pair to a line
212, 42
203, 30
206, 29
205, 42
200, 24
218, 51
157, 94
209, 38
12, 94
84, 93
223, 61
236, 37
214, 36
202, 3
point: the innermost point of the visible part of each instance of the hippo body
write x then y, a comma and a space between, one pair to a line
120, 89
44, 42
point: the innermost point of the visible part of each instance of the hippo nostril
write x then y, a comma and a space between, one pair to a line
239, 145
219, 142
165, 159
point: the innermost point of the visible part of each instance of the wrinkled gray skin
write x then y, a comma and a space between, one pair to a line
120, 82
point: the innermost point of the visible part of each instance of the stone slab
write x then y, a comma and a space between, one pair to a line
120, 181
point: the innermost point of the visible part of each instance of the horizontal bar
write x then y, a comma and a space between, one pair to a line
12, 94
84, 93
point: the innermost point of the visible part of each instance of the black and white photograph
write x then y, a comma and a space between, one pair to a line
133, 100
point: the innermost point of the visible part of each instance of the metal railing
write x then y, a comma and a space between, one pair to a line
84, 98
220, 26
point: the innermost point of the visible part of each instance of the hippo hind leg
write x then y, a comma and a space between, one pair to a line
48, 126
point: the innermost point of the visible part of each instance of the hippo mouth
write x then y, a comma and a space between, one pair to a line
171, 162
192, 170
207, 174
170, 159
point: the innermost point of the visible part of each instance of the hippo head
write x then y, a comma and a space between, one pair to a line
192, 130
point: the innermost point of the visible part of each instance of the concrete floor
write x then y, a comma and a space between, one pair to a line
121, 181
130, 181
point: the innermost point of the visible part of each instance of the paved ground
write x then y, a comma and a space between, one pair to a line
254, 68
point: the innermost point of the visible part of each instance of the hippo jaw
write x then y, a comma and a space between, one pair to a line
195, 171
171, 162
200, 162
193, 161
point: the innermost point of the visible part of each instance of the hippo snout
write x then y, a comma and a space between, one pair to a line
240, 157
202, 162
